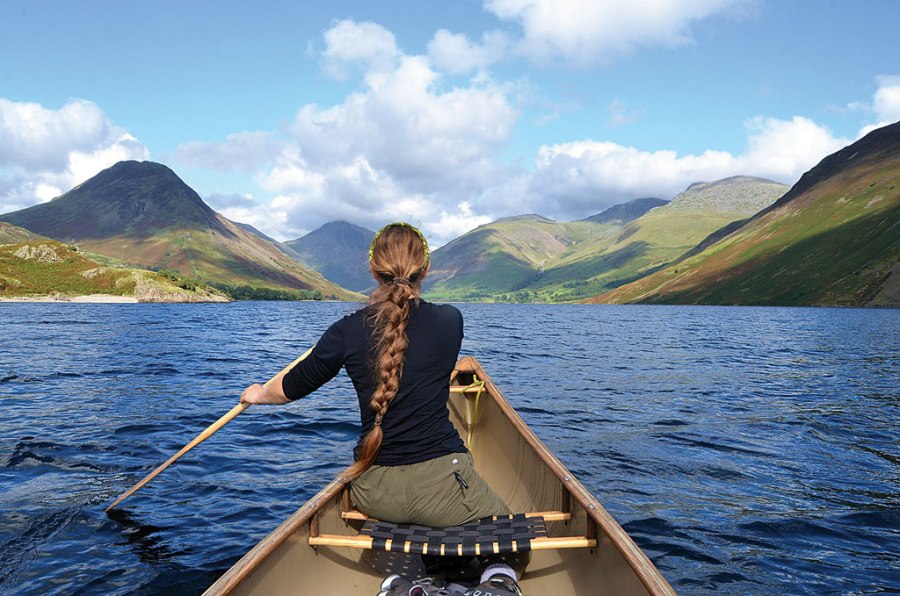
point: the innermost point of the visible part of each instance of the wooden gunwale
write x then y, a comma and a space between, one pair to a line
643, 567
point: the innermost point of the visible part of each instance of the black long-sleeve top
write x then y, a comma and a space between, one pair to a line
417, 425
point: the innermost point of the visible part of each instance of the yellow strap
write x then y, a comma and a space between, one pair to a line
479, 385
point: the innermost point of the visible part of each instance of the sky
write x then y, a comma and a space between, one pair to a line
448, 114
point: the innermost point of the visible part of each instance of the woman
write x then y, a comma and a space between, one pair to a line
411, 465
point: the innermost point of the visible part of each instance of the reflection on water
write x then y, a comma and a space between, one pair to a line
144, 540
750, 450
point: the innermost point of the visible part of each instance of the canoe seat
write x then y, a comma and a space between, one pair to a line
491, 535
502, 534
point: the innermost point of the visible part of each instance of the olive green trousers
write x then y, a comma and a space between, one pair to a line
440, 492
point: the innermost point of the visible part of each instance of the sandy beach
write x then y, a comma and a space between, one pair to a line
99, 298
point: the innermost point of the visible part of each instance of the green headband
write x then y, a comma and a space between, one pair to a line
403, 225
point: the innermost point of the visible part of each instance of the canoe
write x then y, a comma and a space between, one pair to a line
585, 551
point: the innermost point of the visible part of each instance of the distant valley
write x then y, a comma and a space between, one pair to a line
531, 258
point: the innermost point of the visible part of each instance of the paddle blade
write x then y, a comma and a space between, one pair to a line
210, 431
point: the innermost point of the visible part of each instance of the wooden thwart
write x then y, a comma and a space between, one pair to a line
549, 516
365, 542
499, 534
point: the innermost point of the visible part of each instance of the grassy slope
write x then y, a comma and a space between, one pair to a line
57, 269
48, 267
233, 257
656, 238
836, 243
503, 257
10, 234
639, 249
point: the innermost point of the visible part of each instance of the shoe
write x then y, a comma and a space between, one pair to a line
396, 585
497, 585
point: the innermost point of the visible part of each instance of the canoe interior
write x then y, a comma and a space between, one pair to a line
516, 465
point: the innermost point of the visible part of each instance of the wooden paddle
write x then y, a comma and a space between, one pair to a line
210, 431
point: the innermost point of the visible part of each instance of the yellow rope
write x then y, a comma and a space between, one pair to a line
480, 386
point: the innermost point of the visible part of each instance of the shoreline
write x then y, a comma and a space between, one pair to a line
86, 298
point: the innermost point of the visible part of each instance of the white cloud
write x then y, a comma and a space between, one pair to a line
355, 192
421, 137
454, 224
85, 164
887, 99
307, 197
455, 54
408, 145
45, 152
367, 45
35, 137
783, 150
884, 107
582, 177
578, 178
592, 31
402, 147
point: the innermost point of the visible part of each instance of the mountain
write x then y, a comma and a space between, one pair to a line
10, 234
531, 258
339, 251
663, 234
504, 256
625, 212
512, 253
833, 239
142, 214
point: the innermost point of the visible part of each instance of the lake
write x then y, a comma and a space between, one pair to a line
746, 450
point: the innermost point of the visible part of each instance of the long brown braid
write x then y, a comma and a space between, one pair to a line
399, 260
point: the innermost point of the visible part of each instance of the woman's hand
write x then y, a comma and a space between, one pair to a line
258, 394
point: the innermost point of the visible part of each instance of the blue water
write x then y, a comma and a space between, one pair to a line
746, 450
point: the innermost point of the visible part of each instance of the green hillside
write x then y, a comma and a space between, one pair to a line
506, 256
834, 239
141, 214
50, 268
10, 234
660, 236
531, 258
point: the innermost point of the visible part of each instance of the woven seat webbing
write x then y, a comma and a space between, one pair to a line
491, 535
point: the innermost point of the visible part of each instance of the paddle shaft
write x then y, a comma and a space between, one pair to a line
210, 431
